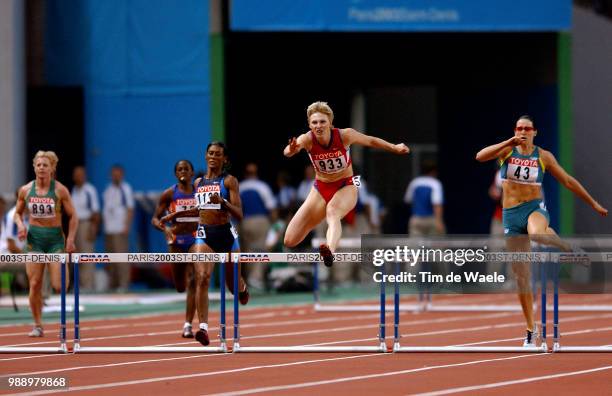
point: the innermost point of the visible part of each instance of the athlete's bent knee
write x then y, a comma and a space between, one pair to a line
290, 241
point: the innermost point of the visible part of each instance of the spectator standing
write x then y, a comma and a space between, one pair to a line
117, 215
10, 243
87, 205
259, 208
426, 196
306, 184
287, 194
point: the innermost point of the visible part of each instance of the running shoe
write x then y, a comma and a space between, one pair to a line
202, 337
529, 342
187, 332
37, 331
327, 255
244, 296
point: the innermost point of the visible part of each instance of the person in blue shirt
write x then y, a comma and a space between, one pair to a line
259, 206
426, 195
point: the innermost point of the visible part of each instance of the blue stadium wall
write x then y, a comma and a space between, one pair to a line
144, 67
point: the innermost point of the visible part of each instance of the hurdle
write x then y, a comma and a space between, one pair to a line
556, 334
426, 305
349, 243
22, 258
108, 258
397, 347
302, 258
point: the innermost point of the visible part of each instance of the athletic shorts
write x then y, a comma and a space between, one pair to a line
221, 238
45, 240
328, 190
515, 218
183, 241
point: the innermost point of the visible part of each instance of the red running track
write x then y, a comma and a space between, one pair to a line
325, 373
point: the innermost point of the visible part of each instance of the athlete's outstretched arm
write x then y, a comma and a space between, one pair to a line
162, 206
170, 216
351, 136
497, 150
295, 145
570, 182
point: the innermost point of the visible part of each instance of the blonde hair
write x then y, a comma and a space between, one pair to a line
50, 155
320, 107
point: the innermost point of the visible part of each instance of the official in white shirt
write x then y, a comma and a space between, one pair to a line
87, 205
117, 214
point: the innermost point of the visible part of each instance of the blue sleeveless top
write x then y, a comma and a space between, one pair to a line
523, 169
208, 187
181, 202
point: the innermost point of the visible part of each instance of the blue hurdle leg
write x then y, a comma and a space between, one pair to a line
383, 297
315, 284
543, 280
222, 308
556, 268
77, 332
63, 304
396, 310
236, 316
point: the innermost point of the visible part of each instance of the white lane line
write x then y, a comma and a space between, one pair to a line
363, 377
275, 324
179, 321
414, 323
197, 375
113, 365
513, 382
458, 318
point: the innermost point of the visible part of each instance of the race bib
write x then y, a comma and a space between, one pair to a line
523, 170
182, 205
330, 162
204, 194
41, 207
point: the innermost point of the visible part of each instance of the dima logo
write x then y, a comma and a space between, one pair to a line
254, 258
94, 258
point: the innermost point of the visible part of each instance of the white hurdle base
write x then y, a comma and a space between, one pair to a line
365, 308
461, 349
582, 308
506, 308
150, 349
291, 349
473, 308
603, 348
61, 349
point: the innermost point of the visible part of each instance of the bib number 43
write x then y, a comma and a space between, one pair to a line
524, 170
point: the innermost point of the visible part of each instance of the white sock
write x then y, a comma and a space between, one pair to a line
204, 326
187, 324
